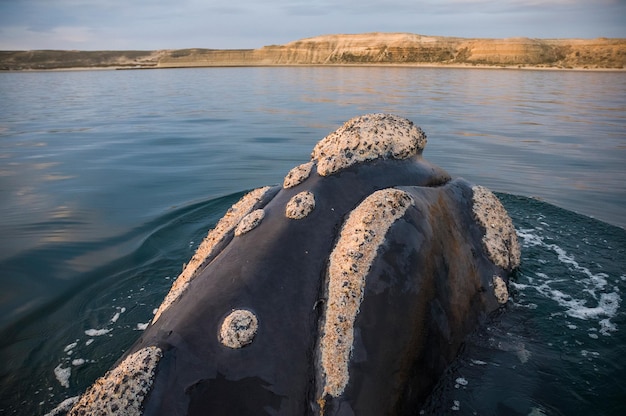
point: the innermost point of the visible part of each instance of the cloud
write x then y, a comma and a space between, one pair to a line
156, 24
73, 34
22, 37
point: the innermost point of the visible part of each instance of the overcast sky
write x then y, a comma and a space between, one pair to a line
165, 24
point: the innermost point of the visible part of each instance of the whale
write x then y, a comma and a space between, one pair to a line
346, 290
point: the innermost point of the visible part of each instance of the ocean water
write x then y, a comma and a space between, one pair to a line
110, 179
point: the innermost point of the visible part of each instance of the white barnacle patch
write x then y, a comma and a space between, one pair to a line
206, 249
500, 290
238, 329
300, 205
500, 240
360, 238
123, 389
366, 138
250, 222
297, 175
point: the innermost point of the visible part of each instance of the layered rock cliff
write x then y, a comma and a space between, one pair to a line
368, 48
407, 48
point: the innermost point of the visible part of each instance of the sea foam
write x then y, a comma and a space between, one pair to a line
582, 293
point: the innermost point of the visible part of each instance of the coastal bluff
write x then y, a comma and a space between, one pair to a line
350, 49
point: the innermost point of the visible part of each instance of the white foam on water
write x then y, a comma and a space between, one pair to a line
97, 332
142, 327
63, 374
582, 293
518, 286
63, 371
117, 314
68, 348
607, 326
587, 354
607, 304
461, 381
529, 238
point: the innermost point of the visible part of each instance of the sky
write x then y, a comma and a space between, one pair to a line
173, 24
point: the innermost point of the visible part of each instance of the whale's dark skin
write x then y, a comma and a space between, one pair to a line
430, 285
278, 272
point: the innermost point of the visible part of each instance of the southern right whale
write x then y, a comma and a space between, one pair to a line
347, 290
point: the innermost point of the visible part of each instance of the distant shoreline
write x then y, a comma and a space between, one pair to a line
368, 49
369, 65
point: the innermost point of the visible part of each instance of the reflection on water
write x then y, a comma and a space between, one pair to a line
557, 136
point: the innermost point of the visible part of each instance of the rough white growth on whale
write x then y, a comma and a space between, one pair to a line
500, 290
225, 225
121, 390
368, 137
297, 175
300, 205
238, 328
350, 261
500, 239
63, 407
249, 222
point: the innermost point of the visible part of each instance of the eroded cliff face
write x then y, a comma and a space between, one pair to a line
367, 48
566, 53
408, 48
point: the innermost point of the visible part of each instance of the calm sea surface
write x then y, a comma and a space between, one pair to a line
110, 179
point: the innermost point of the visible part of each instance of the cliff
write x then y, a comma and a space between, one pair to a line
368, 48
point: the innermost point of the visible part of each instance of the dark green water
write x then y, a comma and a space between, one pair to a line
109, 180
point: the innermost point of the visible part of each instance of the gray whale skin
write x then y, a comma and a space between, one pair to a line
348, 290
